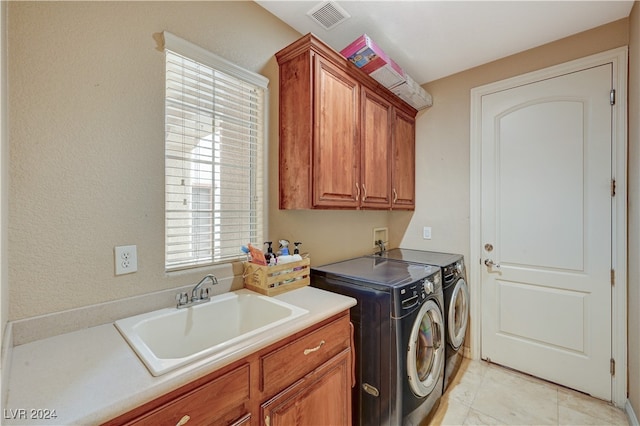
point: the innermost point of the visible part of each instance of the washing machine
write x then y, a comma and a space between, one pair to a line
456, 299
398, 337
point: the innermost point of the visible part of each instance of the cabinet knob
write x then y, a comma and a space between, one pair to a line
184, 420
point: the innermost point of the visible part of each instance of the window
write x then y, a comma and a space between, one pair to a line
214, 156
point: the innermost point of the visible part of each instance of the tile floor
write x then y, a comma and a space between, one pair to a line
487, 394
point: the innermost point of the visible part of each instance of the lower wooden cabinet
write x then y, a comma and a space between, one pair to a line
303, 379
321, 398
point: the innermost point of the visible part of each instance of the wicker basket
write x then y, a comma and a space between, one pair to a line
273, 280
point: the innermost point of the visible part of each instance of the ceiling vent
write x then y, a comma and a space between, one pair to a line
328, 14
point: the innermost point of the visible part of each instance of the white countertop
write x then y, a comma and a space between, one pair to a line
92, 375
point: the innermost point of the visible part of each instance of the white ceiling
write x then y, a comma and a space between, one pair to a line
432, 39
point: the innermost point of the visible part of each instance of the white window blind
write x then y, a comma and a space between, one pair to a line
215, 118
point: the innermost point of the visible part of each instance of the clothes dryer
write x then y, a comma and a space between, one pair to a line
398, 337
456, 299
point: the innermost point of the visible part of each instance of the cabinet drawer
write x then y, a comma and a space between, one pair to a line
221, 401
285, 365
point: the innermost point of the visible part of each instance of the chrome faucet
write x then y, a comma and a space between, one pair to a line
381, 246
198, 294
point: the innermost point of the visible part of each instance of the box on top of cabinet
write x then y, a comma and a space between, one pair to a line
368, 56
412, 93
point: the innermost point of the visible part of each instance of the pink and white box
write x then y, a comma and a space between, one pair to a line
367, 56
412, 93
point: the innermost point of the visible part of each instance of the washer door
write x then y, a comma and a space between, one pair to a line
426, 350
458, 314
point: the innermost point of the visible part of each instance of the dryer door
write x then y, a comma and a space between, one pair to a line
458, 313
425, 354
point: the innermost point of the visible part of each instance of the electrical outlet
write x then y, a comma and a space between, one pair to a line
426, 233
126, 259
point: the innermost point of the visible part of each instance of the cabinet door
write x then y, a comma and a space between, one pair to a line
375, 151
321, 398
404, 163
336, 148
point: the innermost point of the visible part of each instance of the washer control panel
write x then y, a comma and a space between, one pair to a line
415, 293
451, 272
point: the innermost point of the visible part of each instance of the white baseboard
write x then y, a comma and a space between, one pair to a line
631, 415
6, 356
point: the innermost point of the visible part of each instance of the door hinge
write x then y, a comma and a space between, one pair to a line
613, 277
613, 187
612, 367
612, 97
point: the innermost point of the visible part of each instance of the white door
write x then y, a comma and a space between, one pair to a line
546, 227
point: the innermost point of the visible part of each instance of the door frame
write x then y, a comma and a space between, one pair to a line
618, 58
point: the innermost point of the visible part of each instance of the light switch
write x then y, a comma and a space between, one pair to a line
426, 233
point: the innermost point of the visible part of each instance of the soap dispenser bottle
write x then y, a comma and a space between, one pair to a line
269, 255
284, 247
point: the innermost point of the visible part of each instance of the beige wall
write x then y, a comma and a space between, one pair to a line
87, 140
4, 181
86, 104
442, 139
634, 210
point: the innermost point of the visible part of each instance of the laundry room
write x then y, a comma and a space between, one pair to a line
479, 239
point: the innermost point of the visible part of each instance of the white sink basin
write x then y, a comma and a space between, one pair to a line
169, 338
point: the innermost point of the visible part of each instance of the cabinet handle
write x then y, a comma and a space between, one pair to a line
364, 192
357, 193
395, 195
184, 420
308, 351
353, 357
267, 420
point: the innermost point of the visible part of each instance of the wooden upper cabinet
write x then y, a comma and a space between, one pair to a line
337, 133
336, 146
296, 132
376, 148
403, 170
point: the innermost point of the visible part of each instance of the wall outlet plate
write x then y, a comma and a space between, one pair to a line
126, 259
